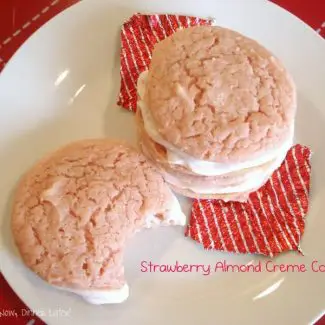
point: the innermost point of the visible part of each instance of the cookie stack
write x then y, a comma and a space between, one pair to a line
215, 113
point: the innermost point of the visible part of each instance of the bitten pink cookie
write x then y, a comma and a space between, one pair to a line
75, 209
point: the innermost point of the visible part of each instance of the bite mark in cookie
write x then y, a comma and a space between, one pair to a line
75, 209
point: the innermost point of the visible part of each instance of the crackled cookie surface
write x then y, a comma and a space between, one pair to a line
75, 209
219, 96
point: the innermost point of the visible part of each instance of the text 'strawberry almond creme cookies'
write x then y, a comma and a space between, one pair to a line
74, 211
216, 112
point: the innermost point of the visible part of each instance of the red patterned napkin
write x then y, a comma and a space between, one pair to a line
272, 221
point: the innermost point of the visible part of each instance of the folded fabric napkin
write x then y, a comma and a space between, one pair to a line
272, 221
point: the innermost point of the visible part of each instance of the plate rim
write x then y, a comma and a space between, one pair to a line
66, 12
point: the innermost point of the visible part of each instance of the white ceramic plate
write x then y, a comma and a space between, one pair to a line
62, 85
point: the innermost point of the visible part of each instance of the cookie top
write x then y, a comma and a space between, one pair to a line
74, 210
218, 95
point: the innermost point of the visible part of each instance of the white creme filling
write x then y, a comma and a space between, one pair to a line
198, 166
100, 297
173, 216
255, 180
